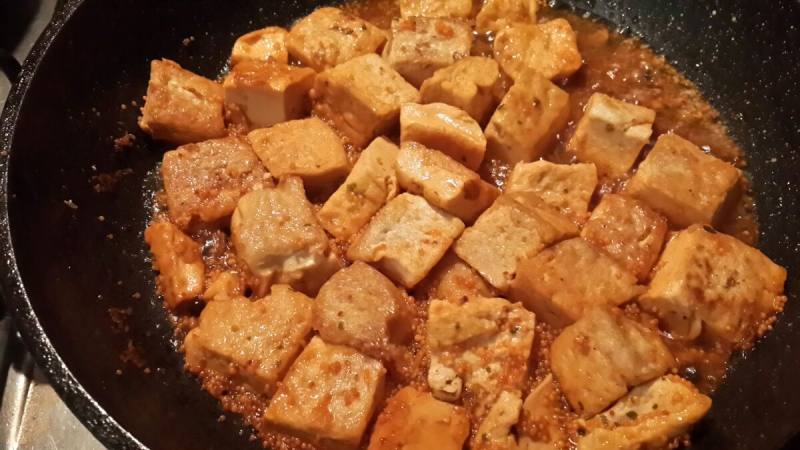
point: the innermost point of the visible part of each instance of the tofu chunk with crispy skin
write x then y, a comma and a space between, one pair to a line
261, 45
496, 15
712, 281
543, 418
362, 98
224, 286
328, 396
252, 342
329, 36
597, 359
406, 239
181, 107
495, 430
457, 9
415, 420
453, 279
680, 181
178, 261
550, 48
567, 188
471, 84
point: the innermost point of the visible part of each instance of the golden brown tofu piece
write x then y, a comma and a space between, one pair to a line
443, 181
495, 430
457, 9
178, 261
453, 279
362, 98
682, 182
224, 286
567, 188
261, 45
527, 121
597, 359
496, 15
544, 416
550, 48
329, 36
706, 279
629, 231
328, 396
181, 107
252, 342
471, 84
406, 238
203, 181
414, 420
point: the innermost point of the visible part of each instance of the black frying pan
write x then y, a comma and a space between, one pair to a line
63, 270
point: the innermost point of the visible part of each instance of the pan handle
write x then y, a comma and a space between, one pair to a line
9, 65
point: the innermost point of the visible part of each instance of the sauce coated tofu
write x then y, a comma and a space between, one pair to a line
682, 182
541, 426
551, 49
329, 36
471, 84
495, 430
567, 188
453, 279
261, 45
457, 9
414, 420
224, 286
406, 239
517, 226
267, 93
181, 107
629, 231
597, 359
419, 46
203, 181
368, 187
527, 121
710, 280
329, 395
650, 416
178, 260
496, 15
443, 181
307, 148
362, 98
445, 128
253, 342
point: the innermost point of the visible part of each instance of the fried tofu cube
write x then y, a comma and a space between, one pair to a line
368, 187
516, 227
453, 279
181, 107
471, 84
494, 432
261, 45
544, 416
551, 49
224, 286
597, 359
414, 420
682, 182
203, 181
443, 181
564, 281
457, 9
329, 395
329, 36
611, 134
419, 46
496, 15
362, 98
178, 260
267, 93
445, 128
567, 188
650, 416
629, 231
406, 239
710, 280
307, 148
252, 342
527, 121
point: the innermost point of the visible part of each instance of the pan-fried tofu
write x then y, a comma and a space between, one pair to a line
629, 231
307, 148
453, 279
457, 9
368, 187
527, 121
516, 227
567, 188
362, 98
650, 416
611, 134
445, 128
181, 107
597, 359
564, 281
471, 84
495, 15
329, 395
178, 261
443, 181
224, 286
253, 342
406, 239
329, 36
419, 46
710, 280
494, 432
261, 45
541, 426
551, 49
414, 420
267, 93
203, 181
682, 182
